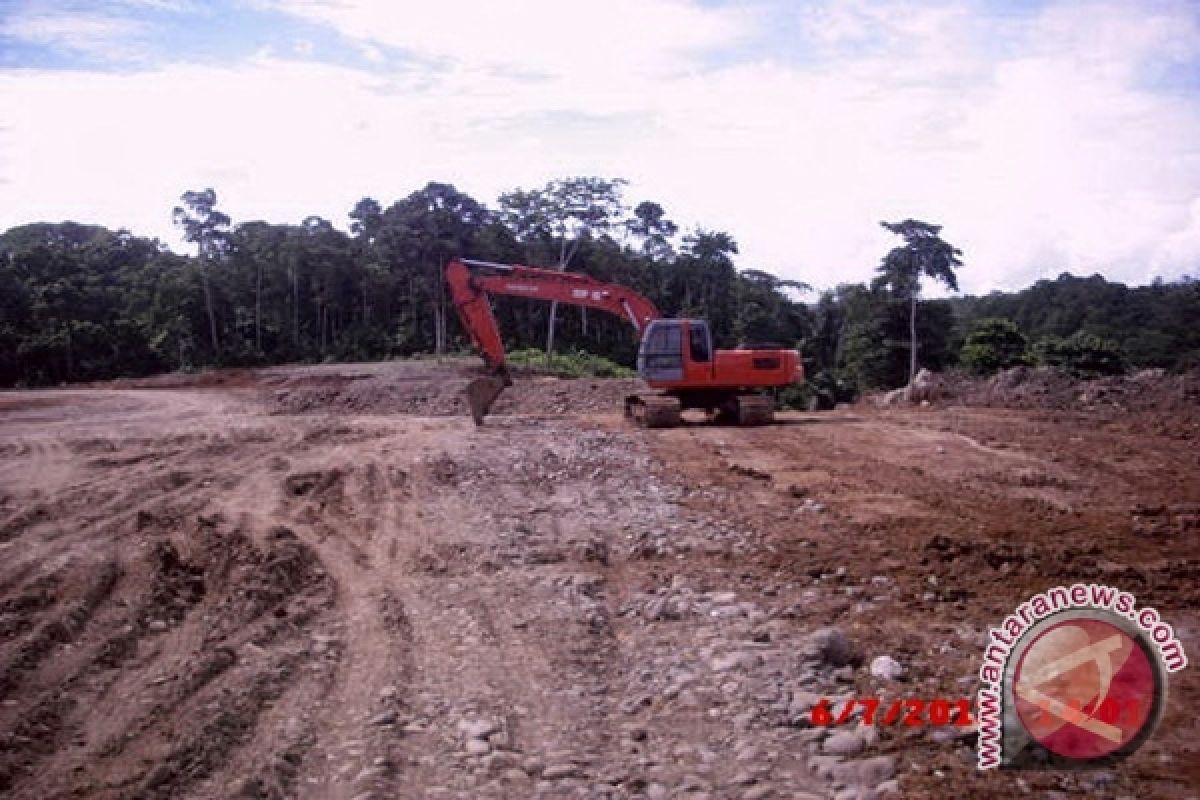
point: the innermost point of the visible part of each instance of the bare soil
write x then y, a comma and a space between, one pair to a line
325, 582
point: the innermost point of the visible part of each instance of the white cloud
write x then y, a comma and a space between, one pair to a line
592, 42
1035, 140
109, 37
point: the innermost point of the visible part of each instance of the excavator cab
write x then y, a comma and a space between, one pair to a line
660, 356
669, 346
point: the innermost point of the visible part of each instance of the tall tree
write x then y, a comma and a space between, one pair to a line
426, 228
207, 228
765, 312
255, 246
366, 220
650, 224
564, 212
703, 282
923, 254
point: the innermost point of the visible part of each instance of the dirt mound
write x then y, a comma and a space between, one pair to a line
439, 391
416, 387
215, 378
1051, 389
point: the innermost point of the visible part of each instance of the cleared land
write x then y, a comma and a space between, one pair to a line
324, 582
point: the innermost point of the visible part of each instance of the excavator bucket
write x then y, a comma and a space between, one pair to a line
481, 393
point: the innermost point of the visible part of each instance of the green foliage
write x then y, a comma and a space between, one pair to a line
575, 364
923, 254
83, 303
80, 302
820, 392
1154, 325
874, 335
994, 344
1082, 354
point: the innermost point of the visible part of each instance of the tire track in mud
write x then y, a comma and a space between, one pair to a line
511, 619
172, 623
332, 498
216, 668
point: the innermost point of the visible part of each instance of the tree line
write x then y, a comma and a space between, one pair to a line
82, 302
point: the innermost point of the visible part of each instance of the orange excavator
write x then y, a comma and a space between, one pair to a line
675, 356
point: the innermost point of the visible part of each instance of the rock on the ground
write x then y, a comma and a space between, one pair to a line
830, 646
843, 743
478, 728
887, 668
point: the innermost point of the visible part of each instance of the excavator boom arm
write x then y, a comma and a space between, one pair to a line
471, 283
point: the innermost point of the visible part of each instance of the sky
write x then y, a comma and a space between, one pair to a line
1044, 136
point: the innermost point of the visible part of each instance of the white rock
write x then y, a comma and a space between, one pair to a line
887, 668
888, 789
843, 743
478, 728
726, 662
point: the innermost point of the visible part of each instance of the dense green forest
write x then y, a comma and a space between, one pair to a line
81, 302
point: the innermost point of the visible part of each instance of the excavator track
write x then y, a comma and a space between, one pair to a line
653, 411
754, 409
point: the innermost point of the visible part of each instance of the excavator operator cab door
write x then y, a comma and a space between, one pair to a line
660, 356
699, 342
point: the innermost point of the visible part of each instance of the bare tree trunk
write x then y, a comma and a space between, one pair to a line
912, 339
440, 341
414, 307
562, 265
295, 307
550, 329
439, 331
837, 345
564, 256
212, 316
258, 309
70, 354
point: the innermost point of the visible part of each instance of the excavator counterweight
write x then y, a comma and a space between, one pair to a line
675, 356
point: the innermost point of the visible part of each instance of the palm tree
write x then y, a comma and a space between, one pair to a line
922, 254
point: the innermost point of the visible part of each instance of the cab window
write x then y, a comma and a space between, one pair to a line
698, 339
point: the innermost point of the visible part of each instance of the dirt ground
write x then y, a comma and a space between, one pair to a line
325, 582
